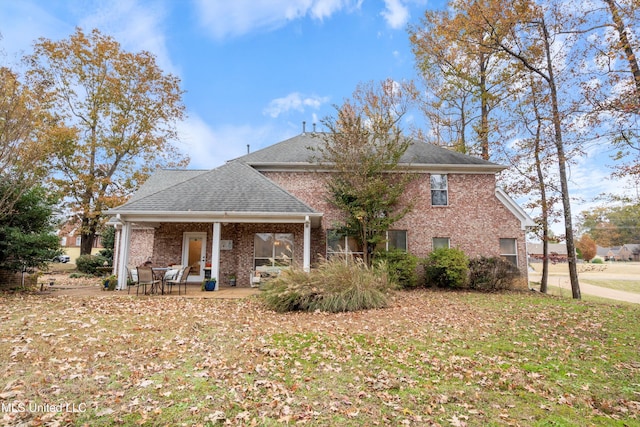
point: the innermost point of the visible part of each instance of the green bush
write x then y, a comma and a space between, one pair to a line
334, 286
597, 261
446, 268
402, 266
107, 254
88, 264
492, 274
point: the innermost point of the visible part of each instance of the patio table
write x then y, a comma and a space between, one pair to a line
159, 274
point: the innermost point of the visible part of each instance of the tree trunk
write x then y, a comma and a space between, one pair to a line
87, 236
484, 108
543, 199
562, 170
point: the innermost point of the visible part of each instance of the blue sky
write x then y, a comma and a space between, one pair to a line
253, 70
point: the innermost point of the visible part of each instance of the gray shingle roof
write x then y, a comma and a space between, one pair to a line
238, 187
233, 187
297, 150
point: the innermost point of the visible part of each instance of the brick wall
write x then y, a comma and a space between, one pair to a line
140, 249
474, 220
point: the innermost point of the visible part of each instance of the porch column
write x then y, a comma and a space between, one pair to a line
306, 262
123, 255
215, 253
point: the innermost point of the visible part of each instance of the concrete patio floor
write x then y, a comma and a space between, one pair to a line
193, 291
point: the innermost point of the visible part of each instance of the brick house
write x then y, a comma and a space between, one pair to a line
69, 235
268, 208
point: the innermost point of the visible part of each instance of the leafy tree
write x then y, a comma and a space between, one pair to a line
27, 240
526, 32
612, 78
117, 113
612, 225
463, 77
587, 247
531, 162
21, 154
364, 144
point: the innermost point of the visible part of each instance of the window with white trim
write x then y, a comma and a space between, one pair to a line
441, 242
439, 190
78, 241
509, 250
272, 249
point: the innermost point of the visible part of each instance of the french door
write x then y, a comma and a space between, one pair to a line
194, 252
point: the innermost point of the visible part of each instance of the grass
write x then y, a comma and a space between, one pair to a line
431, 358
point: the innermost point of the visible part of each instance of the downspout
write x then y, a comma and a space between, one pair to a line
306, 263
215, 254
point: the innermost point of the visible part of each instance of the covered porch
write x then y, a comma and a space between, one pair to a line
221, 248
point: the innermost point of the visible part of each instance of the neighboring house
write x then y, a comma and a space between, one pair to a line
269, 208
557, 252
69, 235
602, 252
629, 252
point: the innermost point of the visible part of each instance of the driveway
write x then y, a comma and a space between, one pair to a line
587, 289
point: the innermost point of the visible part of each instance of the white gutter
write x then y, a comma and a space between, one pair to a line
509, 203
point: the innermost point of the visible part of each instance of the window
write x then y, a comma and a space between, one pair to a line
508, 250
339, 244
441, 242
78, 241
395, 239
63, 241
439, 196
273, 249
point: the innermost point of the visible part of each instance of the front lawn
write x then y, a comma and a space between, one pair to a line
432, 358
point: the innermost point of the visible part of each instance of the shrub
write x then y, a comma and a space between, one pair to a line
492, 274
107, 254
335, 286
597, 261
402, 266
447, 268
89, 263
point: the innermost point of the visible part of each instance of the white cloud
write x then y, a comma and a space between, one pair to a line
141, 30
294, 101
211, 147
234, 18
396, 14
134, 25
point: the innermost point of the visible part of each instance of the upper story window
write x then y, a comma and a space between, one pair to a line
78, 241
439, 190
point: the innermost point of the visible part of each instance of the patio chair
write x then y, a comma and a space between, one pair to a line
132, 278
145, 277
180, 279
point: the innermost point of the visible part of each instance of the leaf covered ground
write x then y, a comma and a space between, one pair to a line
432, 358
